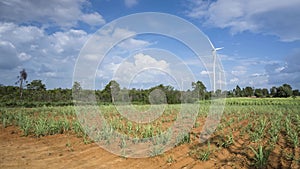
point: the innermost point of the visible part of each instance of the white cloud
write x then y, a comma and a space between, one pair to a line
130, 3
264, 73
118, 33
8, 54
150, 68
142, 61
224, 57
279, 69
239, 70
50, 74
247, 72
27, 42
104, 44
20, 34
30, 47
256, 75
288, 72
65, 13
293, 62
203, 72
133, 44
198, 8
234, 80
92, 19
265, 16
32, 41
68, 40
107, 40
139, 70
24, 56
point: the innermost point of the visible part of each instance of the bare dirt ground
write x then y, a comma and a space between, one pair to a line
68, 151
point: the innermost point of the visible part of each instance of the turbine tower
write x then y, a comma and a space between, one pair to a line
214, 54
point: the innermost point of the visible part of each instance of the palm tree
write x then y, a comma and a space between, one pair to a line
21, 78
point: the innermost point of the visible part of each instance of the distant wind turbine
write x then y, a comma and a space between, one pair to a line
214, 53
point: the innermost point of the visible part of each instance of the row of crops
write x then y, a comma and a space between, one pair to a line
260, 127
262, 101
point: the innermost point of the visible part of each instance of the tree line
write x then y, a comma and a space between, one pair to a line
284, 90
35, 94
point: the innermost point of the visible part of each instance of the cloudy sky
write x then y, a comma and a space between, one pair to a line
261, 41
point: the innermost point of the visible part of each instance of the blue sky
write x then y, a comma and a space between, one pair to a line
261, 41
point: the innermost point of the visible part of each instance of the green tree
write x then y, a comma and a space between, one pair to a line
36, 85
76, 86
199, 90
248, 91
21, 79
280, 92
76, 90
288, 90
218, 92
37, 90
237, 91
173, 96
265, 92
258, 93
296, 93
187, 96
111, 91
284, 91
273, 91
229, 93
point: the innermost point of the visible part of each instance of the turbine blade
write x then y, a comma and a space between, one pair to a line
219, 48
210, 43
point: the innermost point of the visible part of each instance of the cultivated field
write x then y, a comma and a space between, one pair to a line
253, 133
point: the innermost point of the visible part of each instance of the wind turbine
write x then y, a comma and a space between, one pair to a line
214, 53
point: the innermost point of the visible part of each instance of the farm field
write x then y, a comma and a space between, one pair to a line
252, 133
